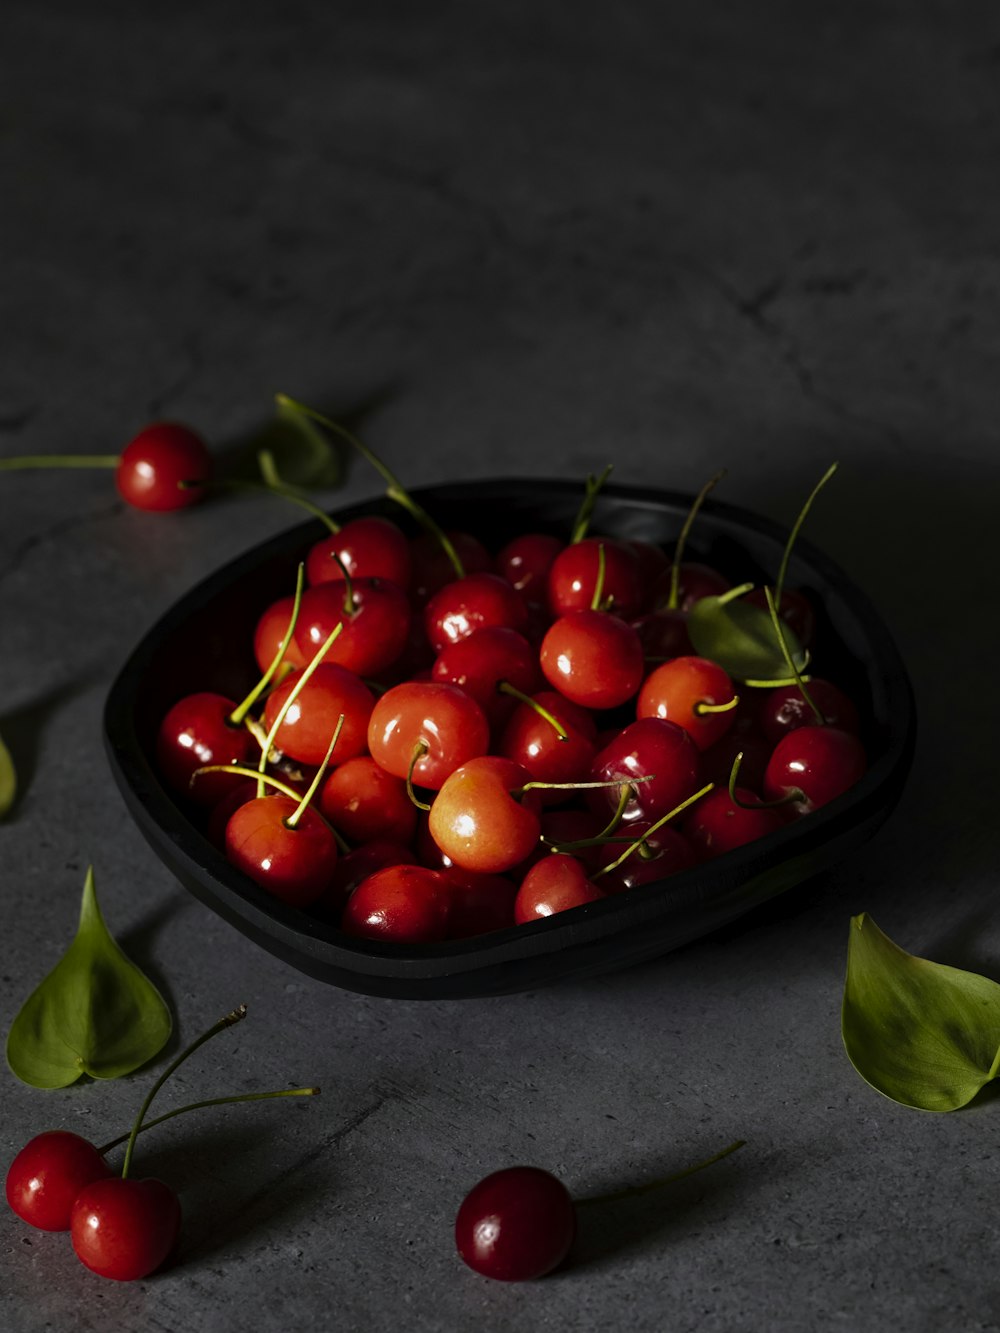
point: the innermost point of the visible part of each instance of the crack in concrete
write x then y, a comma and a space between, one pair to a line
191, 349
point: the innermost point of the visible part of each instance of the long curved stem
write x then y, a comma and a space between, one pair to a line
210, 1101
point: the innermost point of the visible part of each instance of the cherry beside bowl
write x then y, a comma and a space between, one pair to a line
203, 642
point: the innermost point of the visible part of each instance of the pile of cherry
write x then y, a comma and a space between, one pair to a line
531, 734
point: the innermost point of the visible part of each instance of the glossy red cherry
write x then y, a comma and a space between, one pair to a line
525, 562
48, 1173
369, 547
530, 739
374, 619
653, 749
665, 852
717, 825
357, 864
401, 904
125, 1229
482, 661
554, 884
473, 603
270, 632
516, 1224
785, 708
156, 461
478, 822
574, 573
477, 903
442, 722
819, 763
196, 731
681, 691
593, 658
311, 720
363, 801
294, 864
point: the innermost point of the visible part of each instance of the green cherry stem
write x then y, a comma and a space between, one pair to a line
419, 750
238, 714
293, 819
264, 488
602, 563
396, 491
59, 461
505, 687
732, 593
635, 1191
783, 567
675, 566
772, 608
210, 1101
703, 707
293, 694
664, 819
228, 1021
243, 771
592, 489
794, 795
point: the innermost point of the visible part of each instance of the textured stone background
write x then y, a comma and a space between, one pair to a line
513, 239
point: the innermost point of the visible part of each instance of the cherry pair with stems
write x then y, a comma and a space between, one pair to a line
121, 1227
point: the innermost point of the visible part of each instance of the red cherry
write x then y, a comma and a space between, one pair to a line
820, 763
442, 718
784, 708
717, 825
271, 630
363, 801
516, 1224
370, 547
48, 1173
592, 658
375, 623
649, 748
665, 852
530, 739
478, 822
312, 718
525, 563
574, 825
717, 761
481, 662
573, 576
475, 602
695, 582
195, 732
679, 689
432, 568
554, 884
402, 904
663, 634
294, 864
477, 903
125, 1229
153, 464
357, 865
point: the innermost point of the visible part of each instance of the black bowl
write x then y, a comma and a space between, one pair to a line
204, 642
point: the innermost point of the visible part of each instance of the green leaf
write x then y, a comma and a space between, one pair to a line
924, 1034
299, 453
8, 780
741, 638
95, 1013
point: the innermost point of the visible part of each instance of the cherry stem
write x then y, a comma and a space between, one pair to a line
675, 567
419, 750
732, 593
783, 567
293, 694
779, 630
239, 713
794, 795
263, 488
293, 819
274, 482
245, 772
505, 687
211, 1101
578, 786
592, 488
602, 564
703, 707
605, 835
228, 1021
664, 819
58, 460
776, 684
635, 1191
396, 491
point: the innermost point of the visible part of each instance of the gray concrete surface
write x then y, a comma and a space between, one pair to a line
516, 239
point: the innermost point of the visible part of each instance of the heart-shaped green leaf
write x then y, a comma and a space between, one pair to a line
922, 1033
95, 1013
742, 639
8, 780
297, 452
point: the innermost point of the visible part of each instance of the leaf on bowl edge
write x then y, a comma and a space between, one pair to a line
741, 638
95, 1013
923, 1034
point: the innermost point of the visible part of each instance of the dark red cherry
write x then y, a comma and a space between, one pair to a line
525, 563
663, 634
784, 708
294, 864
481, 662
795, 610
358, 864
819, 763
369, 547
473, 603
665, 852
574, 573
717, 825
48, 1173
362, 801
530, 739
653, 749
156, 461
374, 620
196, 732
432, 568
592, 658
516, 1225
477, 902
125, 1228
554, 884
401, 904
